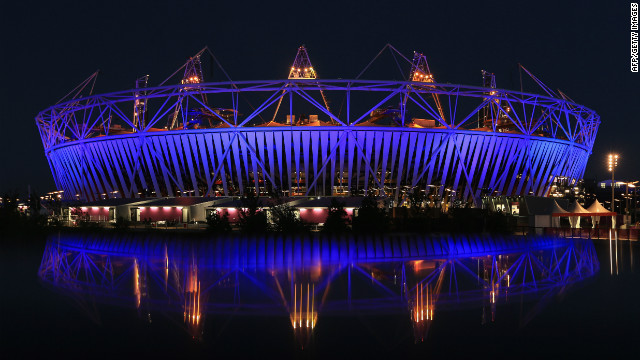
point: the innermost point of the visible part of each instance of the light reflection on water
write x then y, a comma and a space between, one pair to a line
620, 254
307, 277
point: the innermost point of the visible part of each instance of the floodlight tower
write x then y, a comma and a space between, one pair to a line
193, 71
495, 110
301, 69
488, 81
139, 104
420, 68
613, 162
192, 75
420, 72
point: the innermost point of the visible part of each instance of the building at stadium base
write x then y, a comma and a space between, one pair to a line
195, 210
304, 136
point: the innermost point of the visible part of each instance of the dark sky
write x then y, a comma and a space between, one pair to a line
49, 47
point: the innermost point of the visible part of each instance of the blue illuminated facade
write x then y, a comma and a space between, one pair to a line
389, 138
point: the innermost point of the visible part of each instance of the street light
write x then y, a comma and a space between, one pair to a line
634, 186
613, 162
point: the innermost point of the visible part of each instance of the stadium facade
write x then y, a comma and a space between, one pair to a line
305, 136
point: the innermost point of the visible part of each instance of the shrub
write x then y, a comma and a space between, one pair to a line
371, 218
218, 224
286, 219
337, 220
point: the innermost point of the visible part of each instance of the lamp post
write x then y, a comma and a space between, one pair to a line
613, 162
633, 200
635, 204
626, 199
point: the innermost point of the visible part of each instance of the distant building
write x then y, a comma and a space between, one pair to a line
625, 197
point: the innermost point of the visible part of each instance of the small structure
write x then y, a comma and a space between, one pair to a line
227, 206
575, 212
510, 205
556, 212
107, 210
178, 209
544, 212
315, 211
596, 210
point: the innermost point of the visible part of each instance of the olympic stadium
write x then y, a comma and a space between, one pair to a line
305, 136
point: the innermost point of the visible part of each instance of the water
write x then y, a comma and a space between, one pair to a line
153, 294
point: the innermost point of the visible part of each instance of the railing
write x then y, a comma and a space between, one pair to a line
591, 233
632, 234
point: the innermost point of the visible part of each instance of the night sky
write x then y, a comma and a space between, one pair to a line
583, 48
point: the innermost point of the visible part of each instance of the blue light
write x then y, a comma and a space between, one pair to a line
522, 153
273, 274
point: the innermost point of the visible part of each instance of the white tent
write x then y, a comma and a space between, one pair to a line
575, 210
556, 212
596, 210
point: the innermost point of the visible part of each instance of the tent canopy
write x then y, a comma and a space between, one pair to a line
597, 209
575, 209
542, 206
557, 210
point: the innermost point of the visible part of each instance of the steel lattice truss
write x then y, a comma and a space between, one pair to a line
96, 148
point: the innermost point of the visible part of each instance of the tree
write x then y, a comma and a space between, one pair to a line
36, 216
371, 218
218, 224
337, 221
286, 219
416, 198
9, 214
252, 218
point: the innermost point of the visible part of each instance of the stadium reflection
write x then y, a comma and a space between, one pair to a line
306, 277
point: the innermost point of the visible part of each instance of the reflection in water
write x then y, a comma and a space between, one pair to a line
620, 254
305, 277
192, 310
422, 312
613, 239
303, 317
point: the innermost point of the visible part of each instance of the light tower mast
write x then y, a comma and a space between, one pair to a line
192, 75
193, 71
613, 163
420, 69
488, 81
140, 104
302, 69
420, 72
495, 111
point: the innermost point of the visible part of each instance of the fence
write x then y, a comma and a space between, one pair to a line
592, 233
